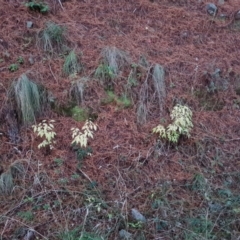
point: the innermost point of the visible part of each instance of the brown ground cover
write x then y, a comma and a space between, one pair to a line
129, 167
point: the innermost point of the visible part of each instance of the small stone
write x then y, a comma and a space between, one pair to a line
223, 15
29, 24
138, 216
221, 2
31, 61
30, 235
211, 9
125, 235
237, 16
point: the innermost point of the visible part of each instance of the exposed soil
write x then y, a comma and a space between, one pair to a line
128, 163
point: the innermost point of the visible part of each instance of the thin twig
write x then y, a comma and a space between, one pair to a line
61, 4
52, 73
33, 230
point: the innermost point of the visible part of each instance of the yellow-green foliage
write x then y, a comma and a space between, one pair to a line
81, 137
181, 125
45, 130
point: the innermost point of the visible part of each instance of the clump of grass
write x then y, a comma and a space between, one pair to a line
52, 38
6, 183
158, 77
142, 113
7, 178
77, 90
71, 64
75, 234
152, 92
105, 74
27, 96
113, 60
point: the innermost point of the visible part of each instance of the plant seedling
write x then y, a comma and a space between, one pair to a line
46, 132
81, 138
13, 67
182, 124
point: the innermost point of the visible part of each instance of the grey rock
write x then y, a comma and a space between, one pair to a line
125, 235
29, 24
237, 16
30, 235
138, 216
211, 9
221, 2
215, 207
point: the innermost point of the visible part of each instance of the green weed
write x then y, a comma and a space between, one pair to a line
20, 60
199, 183
58, 161
122, 101
75, 234
38, 6
27, 216
79, 114
13, 67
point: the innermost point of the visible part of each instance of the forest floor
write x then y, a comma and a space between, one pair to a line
127, 183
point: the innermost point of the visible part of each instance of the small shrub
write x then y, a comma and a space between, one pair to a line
37, 6
182, 124
45, 131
